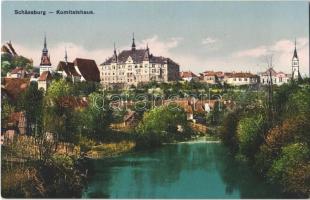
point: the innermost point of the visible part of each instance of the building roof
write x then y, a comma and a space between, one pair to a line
68, 68
212, 73
187, 74
138, 56
45, 76
14, 86
240, 75
88, 69
72, 102
273, 73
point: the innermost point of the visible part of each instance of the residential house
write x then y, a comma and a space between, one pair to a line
188, 76
278, 78
212, 77
241, 78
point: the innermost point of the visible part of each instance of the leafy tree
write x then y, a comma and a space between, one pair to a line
163, 124
250, 133
31, 101
96, 117
292, 169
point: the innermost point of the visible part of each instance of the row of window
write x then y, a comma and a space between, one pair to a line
117, 67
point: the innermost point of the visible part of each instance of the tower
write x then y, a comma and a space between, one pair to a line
66, 56
295, 65
45, 64
133, 46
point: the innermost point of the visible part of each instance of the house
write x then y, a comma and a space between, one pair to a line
18, 72
188, 76
16, 124
212, 77
278, 78
241, 78
130, 119
67, 70
44, 80
87, 69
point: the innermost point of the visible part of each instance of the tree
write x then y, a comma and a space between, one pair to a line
163, 124
31, 101
250, 133
96, 117
292, 169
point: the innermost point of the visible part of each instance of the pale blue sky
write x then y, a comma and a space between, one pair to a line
227, 29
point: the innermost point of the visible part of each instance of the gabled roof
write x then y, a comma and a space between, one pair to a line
187, 74
88, 69
45, 76
212, 73
68, 68
18, 70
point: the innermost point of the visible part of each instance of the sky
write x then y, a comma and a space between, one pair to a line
200, 36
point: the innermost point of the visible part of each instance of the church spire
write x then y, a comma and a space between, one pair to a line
133, 46
66, 56
295, 51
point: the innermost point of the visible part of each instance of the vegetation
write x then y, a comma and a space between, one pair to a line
277, 147
163, 124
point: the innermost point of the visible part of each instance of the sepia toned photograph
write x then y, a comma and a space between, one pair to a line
155, 99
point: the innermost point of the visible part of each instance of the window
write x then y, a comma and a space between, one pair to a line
240, 79
145, 66
280, 79
234, 79
245, 79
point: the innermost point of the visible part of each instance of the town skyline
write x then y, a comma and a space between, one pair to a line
221, 47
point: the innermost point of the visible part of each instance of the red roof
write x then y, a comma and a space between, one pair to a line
45, 76
68, 68
14, 86
187, 74
240, 75
88, 69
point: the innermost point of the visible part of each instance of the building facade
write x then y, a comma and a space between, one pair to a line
188, 76
241, 78
277, 78
134, 66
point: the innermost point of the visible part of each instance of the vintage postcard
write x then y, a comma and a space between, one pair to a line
155, 99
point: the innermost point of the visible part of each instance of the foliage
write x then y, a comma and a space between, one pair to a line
250, 134
31, 101
162, 124
292, 168
229, 129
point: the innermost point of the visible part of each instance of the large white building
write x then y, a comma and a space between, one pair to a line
134, 66
240, 78
277, 78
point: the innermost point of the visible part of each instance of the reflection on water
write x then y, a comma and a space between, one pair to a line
186, 170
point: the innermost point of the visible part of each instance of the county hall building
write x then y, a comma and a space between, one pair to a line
134, 66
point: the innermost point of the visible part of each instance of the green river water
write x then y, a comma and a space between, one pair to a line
197, 169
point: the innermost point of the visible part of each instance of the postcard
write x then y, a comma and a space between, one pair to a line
155, 99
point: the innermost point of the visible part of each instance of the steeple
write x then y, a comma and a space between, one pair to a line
114, 54
66, 56
295, 65
295, 51
133, 46
45, 45
147, 46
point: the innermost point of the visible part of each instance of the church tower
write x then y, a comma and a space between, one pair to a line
295, 65
45, 64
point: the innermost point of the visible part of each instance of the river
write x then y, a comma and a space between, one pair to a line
196, 169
